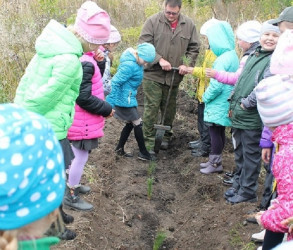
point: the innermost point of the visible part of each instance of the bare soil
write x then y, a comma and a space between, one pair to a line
185, 205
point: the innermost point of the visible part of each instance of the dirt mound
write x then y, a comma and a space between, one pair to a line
186, 206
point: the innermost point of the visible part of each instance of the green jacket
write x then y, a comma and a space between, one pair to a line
170, 46
51, 81
253, 72
38, 244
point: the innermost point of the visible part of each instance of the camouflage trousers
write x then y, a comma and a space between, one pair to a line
155, 97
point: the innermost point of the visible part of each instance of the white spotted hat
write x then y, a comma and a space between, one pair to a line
32, 179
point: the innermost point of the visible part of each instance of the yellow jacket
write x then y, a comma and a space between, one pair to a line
199, 72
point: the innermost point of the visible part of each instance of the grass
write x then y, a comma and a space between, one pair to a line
236, 240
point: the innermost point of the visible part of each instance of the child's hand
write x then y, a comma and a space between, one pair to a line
258, 216
99, 55
111, 114
266, 155
210, 73
288, 223
182, 70
189, 70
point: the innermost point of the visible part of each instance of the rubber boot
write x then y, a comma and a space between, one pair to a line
67, 219
143, 153
214, 166
72, 200
204, 164
123, 138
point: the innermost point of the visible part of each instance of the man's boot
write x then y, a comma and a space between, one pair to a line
214, 165
72, 200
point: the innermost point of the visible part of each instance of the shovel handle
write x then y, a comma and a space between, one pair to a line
169, 93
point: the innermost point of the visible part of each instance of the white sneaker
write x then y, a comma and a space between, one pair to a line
259, 248
258, 237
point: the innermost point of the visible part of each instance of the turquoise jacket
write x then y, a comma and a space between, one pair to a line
126, 81
52, 79
222, 43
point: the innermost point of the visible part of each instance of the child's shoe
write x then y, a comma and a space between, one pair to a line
121, 152
146, 157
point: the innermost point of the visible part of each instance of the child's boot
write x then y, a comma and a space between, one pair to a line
72, 199
67, 219
143, 153
123, 138
214, 165
83, 189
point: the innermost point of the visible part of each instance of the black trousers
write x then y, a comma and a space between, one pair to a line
272, 239
203, 129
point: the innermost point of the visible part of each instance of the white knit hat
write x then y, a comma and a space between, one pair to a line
115, 36
207, 25
274, 100
249, 31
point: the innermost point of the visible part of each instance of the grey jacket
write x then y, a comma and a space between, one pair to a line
169, 46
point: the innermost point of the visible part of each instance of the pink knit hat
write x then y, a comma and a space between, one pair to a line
115, 36
92, 23
282, 58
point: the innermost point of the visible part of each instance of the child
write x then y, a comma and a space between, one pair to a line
108, 48
248, 35
52, 79
86, 128
32, 179
123, 95
221, 40
246, 123
202, 147
274, 100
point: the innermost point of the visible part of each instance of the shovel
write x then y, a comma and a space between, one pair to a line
161, 128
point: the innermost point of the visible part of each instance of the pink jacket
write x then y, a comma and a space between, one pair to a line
283, 173
231, 78
88, 125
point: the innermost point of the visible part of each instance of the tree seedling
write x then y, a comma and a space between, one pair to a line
152, 168
150, 182
161, 236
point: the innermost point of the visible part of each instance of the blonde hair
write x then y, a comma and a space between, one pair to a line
8, 240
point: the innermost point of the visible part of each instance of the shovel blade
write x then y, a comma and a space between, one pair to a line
159, 136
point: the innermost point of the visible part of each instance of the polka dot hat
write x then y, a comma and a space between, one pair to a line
32, 179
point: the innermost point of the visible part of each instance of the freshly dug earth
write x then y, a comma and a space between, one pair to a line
187, 206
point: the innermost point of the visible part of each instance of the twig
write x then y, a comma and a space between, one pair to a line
123, 214
183, 224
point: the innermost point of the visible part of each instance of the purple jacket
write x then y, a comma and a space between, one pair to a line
266, 138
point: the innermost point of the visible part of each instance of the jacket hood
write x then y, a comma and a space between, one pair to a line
128, 55
55, 39
221, 38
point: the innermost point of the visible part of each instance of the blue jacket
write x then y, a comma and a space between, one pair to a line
222, 43
126, 81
